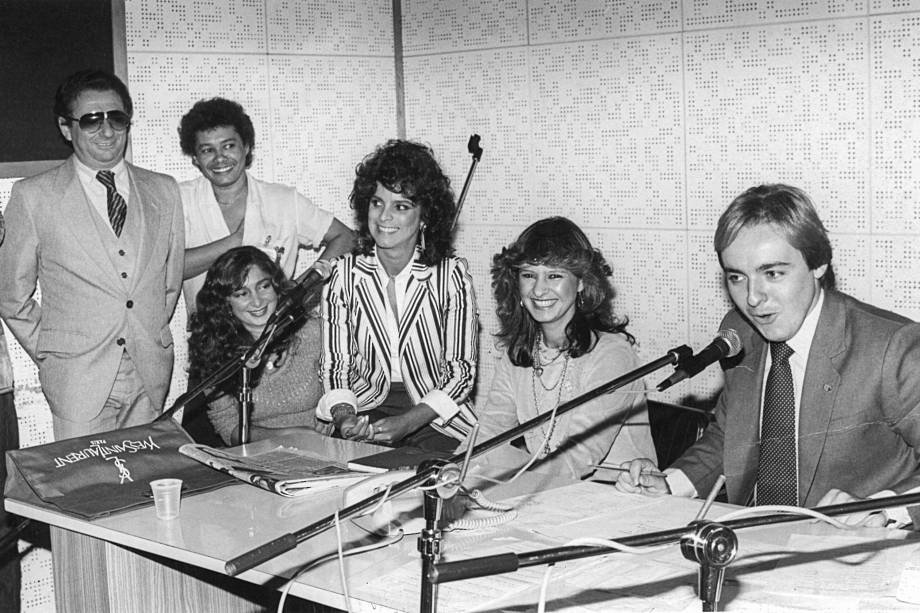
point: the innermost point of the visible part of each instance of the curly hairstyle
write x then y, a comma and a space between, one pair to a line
216, 335
215, 113
407, 168
556, 242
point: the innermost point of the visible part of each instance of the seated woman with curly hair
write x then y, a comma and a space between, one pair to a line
239, 295
399, 314
560, 339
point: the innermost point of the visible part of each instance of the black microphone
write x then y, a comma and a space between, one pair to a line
726, 344
296, 297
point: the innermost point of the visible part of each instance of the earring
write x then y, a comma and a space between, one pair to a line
421, 233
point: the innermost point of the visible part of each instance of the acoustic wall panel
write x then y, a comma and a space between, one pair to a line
893, 6
852, 261
650, 283
165, 86
37, 593
333, 27
895, 103
6, 186
451, 96
700, 14
707, 302
477, 244
456, 25
896, 274
568, 20
228, 26
786, 103
326, 114
607, 131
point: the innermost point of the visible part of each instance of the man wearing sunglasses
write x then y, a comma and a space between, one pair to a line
104, 240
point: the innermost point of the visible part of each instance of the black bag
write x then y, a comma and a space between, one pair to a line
99, 474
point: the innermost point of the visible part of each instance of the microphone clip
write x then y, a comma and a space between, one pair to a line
713, 546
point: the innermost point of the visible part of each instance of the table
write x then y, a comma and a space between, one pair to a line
139, 563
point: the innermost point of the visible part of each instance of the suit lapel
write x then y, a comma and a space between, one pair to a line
416, 296
372, 303
77, 213
148, 214
742, 431
819, 390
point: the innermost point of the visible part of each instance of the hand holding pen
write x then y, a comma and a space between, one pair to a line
641, 476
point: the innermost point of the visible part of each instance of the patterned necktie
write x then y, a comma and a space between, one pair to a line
777, 478
118, 210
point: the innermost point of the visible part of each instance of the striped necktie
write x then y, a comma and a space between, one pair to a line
117, 208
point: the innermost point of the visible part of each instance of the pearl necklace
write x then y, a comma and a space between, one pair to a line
547, 446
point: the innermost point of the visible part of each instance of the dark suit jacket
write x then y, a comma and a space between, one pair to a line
89, 314
859, 418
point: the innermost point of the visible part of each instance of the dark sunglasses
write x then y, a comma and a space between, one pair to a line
92, 122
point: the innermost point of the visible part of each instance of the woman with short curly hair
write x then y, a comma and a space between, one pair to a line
560, 338
400, 320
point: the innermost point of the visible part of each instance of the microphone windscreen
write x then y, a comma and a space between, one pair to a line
733, 340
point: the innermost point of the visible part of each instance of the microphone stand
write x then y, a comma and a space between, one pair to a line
712, 544
290, 311
289, 541
476, 151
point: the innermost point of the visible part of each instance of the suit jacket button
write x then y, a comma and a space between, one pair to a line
124, 275
129, 304
121, 252
120, 342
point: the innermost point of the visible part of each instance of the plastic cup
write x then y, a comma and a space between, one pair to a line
166, 497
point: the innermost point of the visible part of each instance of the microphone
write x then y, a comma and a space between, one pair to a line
726, 344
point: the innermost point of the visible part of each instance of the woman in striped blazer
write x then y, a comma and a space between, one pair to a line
400, 323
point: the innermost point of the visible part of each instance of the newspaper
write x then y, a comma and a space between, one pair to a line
284, 470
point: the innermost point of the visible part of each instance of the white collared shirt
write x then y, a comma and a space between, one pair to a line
402, 286
96, 192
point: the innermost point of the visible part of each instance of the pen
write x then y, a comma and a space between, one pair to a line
653, 473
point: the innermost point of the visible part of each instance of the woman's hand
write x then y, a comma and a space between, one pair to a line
393, 429
350, 426
355, 428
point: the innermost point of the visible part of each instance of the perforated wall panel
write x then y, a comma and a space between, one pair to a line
728, 13
449, 97
896, 274
331, 27
327, 113
785, 103
607, 139
203, 25
852, 263
895, 91
454, 25
893, 6
567, 20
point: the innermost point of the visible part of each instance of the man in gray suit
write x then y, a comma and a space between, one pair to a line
104, 241
849, 372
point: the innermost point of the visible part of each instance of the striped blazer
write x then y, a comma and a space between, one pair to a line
438, 339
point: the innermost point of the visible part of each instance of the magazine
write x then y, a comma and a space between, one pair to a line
284, 470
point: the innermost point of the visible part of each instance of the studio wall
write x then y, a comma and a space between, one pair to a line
640, 120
